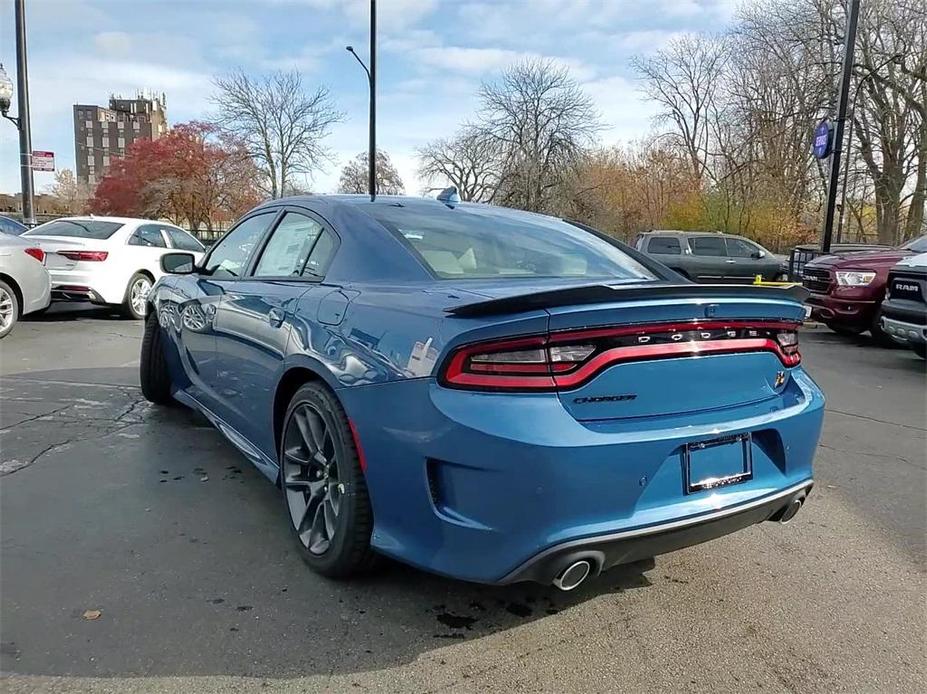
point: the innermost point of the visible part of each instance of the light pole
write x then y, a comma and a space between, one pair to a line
22, 121
849, 49
372, 82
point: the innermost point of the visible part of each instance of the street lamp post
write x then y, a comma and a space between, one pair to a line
372, 82
22, 120
849, 48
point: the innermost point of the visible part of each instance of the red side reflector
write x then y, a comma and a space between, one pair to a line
88, 256
36, 253
361, 458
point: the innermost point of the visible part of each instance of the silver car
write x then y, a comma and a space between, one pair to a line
24, 282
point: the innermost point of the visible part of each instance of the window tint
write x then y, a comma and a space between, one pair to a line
738, 248
148, 235
83, 228
229, 257
707, 245
286, 252
183, 241
476, 241
665, 245
321, 255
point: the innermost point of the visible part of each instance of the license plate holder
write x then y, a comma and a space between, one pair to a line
717, 463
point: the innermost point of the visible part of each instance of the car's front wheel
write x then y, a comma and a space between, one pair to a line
9, 309
324, 489
136, 298
152, 369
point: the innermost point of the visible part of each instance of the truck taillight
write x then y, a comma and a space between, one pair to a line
36, 253
566, 360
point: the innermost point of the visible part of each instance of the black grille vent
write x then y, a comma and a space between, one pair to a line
815, 280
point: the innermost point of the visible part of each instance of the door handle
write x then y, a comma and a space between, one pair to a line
730, 261
275, 317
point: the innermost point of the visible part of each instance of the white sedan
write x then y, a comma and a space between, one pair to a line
24, 283
108, 260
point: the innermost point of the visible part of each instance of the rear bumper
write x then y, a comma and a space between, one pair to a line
830, 309
72, 292
103, 285
495, 488
629, 546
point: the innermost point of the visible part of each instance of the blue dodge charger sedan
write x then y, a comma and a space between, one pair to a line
484, 393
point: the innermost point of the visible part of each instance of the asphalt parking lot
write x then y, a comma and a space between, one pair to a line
140, 552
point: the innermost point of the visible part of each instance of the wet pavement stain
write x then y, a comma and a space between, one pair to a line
456, 621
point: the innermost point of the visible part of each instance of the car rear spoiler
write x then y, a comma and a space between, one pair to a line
605, 293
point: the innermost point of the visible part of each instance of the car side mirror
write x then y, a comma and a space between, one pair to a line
756, 255
178, 263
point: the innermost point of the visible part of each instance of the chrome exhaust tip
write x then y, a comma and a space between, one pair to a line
573, 575
788, 513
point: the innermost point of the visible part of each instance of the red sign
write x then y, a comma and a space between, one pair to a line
43, 161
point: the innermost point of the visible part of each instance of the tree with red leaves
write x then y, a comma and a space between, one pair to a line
195, 175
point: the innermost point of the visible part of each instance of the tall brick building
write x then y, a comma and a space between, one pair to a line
101, 133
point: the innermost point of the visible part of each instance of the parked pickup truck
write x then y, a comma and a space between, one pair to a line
904, 311
846, 291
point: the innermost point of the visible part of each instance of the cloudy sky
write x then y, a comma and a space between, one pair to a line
432, 56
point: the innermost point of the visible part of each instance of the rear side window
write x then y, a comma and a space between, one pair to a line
707, 245
81, 228
664, 245
738, 248
182, 240
470, 242
148, 235
321, 255
229, 257
288, 248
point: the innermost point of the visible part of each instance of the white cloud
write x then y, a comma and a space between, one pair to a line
478, 61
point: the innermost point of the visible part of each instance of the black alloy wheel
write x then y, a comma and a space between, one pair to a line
323, 486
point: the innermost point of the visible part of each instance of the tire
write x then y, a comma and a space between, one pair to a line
134, 302
152, 370
9, 309
327, 505
845, 330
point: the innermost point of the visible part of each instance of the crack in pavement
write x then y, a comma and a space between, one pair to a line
11, 467
874, 419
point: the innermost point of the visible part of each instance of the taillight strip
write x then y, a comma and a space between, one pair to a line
462, 371
680, 349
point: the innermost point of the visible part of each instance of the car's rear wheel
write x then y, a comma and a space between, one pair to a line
152, 371
845, 330
136, 298
324, 489
9, 309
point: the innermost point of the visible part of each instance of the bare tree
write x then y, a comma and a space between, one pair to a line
72, 194
684, 79
355, 176
542, 123
282, 124
470, 161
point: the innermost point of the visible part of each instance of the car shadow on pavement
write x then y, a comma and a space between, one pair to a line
137, 541
68, 311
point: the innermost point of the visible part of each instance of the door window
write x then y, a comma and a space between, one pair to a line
738, 248
289, 246
183, 241
229, 257
148, 235
664, 245
707, 245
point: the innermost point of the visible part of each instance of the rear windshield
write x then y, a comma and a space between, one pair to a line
83, 228
483, 242
918, 245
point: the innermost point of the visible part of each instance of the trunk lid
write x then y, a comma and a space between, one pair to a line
52, 244
681, 380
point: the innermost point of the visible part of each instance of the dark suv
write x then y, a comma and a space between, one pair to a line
706, 256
